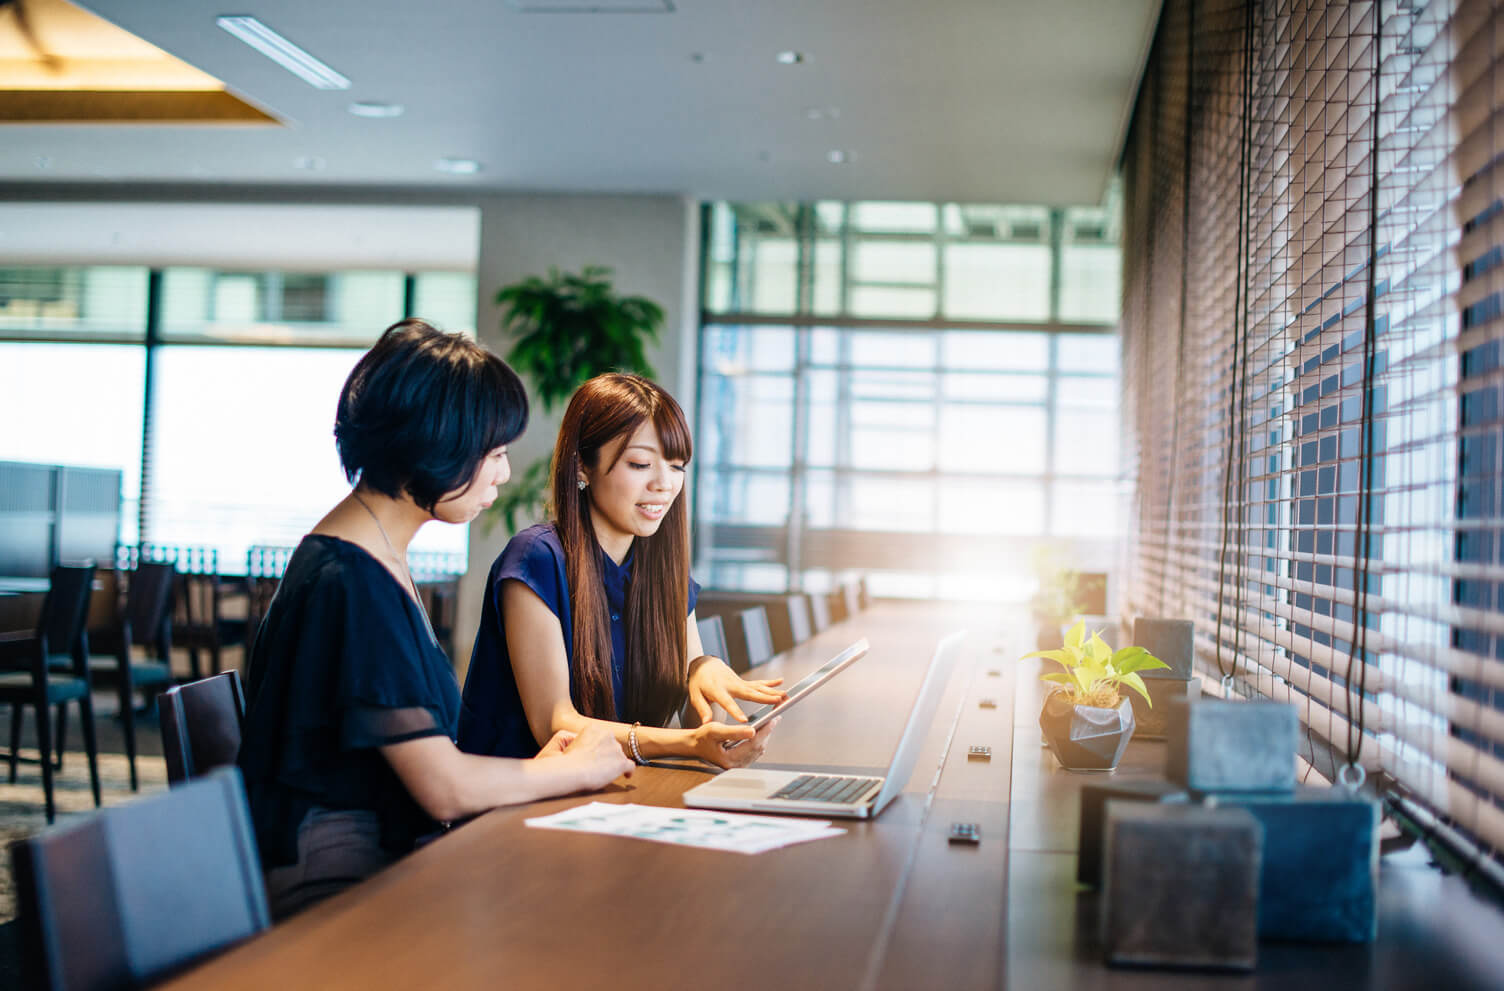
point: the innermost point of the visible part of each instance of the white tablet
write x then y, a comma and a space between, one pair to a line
757, 717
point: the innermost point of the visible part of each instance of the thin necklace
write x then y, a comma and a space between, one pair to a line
406, 571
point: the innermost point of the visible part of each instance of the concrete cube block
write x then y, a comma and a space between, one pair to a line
1218, 746
1320, 877
1094, 798
1181, 886
1172, 641
1153, 721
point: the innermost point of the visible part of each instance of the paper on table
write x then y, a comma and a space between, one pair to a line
688, 827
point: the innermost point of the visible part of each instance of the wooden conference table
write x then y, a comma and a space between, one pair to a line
890, 904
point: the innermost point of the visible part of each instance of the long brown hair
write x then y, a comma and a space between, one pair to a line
607, 408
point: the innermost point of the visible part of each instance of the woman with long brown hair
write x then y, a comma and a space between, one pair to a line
590, 619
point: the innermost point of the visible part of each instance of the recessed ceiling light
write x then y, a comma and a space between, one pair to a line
283, 52
790, 58
375, 108
837, 157
457, 166
311, 163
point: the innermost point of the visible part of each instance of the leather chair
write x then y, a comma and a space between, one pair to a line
50, 668
819, 612
201, 725
851, 598
756, 637
140, 891
264, 567
200, 621
800, 627
146, 621
713, 636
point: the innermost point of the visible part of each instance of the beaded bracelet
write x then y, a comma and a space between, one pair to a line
632, 739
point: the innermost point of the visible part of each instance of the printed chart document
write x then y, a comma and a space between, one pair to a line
729, 831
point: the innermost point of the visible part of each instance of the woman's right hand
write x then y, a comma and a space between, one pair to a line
597, 755
709, 742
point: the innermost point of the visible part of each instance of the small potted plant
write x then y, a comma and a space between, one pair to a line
1088, 720
1054, 601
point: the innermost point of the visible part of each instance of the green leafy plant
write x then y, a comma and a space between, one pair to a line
567, 328
1094, 672
570, 328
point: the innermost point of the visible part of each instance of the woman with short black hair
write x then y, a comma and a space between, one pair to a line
348, 749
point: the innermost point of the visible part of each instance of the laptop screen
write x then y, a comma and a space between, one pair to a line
947, 653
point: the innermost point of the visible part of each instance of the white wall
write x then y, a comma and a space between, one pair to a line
651, 243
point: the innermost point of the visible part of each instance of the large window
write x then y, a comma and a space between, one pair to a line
1312, 250
891, 388
245, 371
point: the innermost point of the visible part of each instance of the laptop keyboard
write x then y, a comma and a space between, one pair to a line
831, 788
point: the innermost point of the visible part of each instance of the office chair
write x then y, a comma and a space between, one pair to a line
819, 612
800, 629
201, 725
140, 891
50, 668
713, 636
146, 621
757, 638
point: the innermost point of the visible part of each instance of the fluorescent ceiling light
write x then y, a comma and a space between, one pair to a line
283, 52
457, 166
376, 108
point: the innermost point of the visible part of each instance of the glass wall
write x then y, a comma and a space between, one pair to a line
921, 392
245, 371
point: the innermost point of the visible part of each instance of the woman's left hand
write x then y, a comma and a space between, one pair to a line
712, 681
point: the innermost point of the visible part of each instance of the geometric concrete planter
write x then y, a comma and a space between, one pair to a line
1154, 720
1086, 737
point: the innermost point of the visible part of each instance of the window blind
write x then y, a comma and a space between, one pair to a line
1312, 317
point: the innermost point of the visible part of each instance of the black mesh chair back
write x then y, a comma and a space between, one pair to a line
713, 636
201, 725
819, 612
759, 639
140, 891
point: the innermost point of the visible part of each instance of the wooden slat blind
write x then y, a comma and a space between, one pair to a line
1312, 323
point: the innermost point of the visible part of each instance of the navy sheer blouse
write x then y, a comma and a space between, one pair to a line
345, 662
492, 719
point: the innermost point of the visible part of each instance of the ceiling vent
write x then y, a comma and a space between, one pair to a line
592, 6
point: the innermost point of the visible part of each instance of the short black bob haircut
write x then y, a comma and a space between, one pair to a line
422, 409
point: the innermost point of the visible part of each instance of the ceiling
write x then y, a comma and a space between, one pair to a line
959, 100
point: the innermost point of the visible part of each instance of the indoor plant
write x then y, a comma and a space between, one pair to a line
1087, 720
568, 328
1054, 600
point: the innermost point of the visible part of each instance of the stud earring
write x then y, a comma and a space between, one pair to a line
581, 483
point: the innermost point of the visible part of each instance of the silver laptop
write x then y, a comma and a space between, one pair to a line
751, 789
